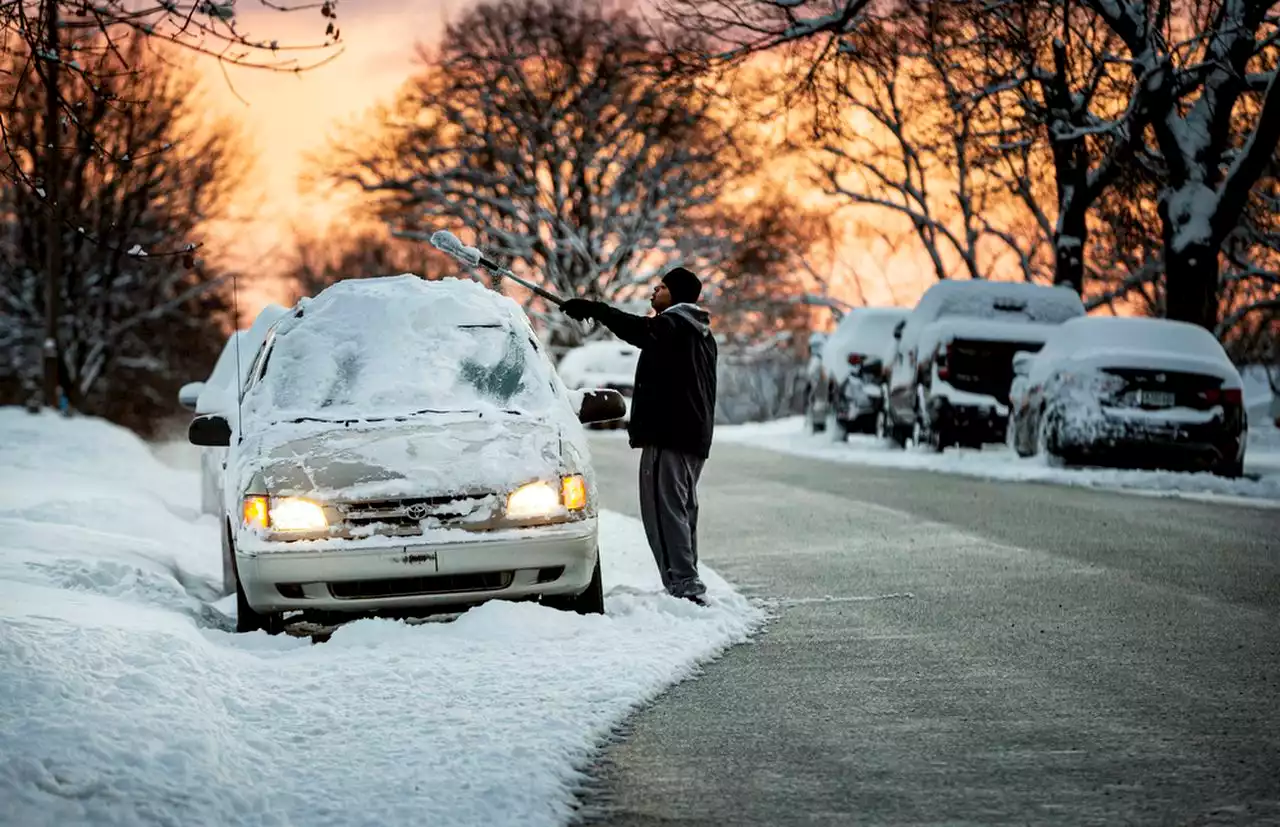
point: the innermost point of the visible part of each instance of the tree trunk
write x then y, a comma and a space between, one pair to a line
1191, 284
53, 197
1068, 249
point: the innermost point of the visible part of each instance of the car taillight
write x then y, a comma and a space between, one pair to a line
1230, 396
943, 357
854, 359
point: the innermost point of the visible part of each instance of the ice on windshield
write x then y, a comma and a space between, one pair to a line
393, 346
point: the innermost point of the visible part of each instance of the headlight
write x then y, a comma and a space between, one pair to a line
542, 499
537, 499
573, 492
284, 514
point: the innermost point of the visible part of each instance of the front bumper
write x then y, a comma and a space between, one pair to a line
550, 560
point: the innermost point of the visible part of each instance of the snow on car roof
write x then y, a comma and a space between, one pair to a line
610, 356
865, 330
996, 299
394, 345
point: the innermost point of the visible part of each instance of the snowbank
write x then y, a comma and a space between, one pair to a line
125, 700
1262, 460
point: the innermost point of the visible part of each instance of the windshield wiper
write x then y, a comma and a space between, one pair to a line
395, 418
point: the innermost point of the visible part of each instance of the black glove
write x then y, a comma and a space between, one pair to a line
579, 309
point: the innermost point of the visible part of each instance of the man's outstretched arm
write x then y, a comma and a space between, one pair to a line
641, 331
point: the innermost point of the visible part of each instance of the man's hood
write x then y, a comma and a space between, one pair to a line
693, 314
408, 460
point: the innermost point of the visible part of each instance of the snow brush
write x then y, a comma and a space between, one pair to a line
448, 243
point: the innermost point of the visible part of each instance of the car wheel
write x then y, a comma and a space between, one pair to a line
1047, 441
881, 424
228, 562
815, 424
248, 620
590, 602
1231, 469
835, 428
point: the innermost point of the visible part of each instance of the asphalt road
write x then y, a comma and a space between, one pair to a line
951, 651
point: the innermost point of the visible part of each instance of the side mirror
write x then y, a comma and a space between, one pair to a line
1022, 362
897, 329
601, 405
189, 393
210, 430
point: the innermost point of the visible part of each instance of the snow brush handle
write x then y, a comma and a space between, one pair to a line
448, 243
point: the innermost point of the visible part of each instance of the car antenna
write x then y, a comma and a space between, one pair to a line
235, 331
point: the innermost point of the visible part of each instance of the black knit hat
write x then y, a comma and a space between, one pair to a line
684, 286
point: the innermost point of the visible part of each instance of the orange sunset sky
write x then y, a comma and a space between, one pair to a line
286, 116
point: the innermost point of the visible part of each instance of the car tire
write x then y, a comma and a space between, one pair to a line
1047, 445
816, 425
1231, 469
247, 619
836, 430
229, 579
589, 602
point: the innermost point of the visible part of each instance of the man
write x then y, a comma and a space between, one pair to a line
672, 417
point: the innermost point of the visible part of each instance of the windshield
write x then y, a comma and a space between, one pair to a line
312, 372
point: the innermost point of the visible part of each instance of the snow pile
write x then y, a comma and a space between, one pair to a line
125, 700
1261, 463
446, 345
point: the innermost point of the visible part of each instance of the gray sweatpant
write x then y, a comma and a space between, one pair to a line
669, 509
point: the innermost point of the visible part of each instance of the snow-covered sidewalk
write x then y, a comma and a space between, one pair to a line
996, 462
125, 700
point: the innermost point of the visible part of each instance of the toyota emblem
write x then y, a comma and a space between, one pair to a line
417, 511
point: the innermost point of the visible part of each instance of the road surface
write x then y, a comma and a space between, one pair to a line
949, 650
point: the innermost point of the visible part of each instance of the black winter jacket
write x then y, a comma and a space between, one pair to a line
674, 402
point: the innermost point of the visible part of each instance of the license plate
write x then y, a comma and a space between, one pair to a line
1153, 399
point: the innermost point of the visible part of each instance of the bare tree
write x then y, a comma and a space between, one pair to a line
61, 42
131, 326
1209, 67
903, 130
320, 259
735, 30
1062, 101
559, 136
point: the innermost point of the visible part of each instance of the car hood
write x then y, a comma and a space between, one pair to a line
375, 461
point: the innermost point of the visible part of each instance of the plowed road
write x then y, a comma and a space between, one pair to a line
946, 650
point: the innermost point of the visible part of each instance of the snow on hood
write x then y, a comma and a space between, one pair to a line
391, 346
420, 457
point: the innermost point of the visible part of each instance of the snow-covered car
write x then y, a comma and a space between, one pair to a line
1134, 392
405, 445
847, 394
952, 367
218, 393
608, 363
